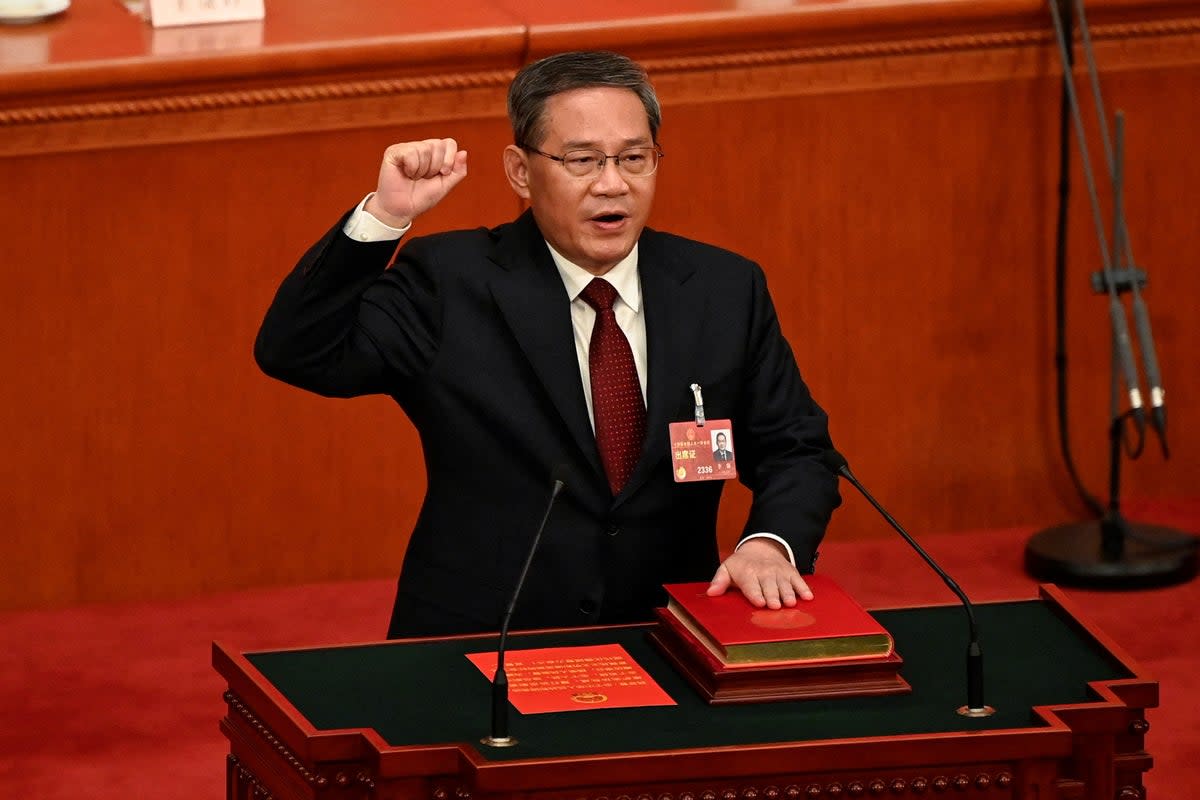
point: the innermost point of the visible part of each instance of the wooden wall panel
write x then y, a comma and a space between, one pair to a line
909, 237
146, 454
911, 305
892, 167
1161, 175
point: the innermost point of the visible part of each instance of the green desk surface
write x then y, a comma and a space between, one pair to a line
429, 693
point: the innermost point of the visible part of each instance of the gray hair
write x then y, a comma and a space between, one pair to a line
583, 69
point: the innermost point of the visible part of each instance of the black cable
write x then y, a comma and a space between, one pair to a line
1122, 245
1060, 271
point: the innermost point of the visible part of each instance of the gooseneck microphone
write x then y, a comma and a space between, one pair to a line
500, 736
1158, 408
975, 706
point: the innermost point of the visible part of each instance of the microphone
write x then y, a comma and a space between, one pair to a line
1116, 313
500, 736
975, 706
1122, 256
1158, 408
1123, 352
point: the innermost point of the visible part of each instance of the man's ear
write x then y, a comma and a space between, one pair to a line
516, 169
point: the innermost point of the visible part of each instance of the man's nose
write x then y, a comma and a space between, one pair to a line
610, 180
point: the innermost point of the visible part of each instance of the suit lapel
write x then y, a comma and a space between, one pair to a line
530, 294
674, 308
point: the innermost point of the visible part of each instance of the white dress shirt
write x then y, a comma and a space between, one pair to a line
627, 308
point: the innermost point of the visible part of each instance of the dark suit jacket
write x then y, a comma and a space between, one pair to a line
470, 332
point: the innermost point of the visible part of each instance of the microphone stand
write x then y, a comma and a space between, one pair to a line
975, 707
500, 737
1111, 552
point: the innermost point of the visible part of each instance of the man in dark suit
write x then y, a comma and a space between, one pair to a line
514, 359
722, 452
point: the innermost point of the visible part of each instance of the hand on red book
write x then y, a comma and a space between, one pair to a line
762, 573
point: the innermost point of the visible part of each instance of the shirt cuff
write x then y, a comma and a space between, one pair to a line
363, 226
787, 547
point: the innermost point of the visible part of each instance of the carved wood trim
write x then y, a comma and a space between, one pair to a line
968, 783
965, 58
251, 113
240, 781
237, 706
253, 97
1070, 789
339, 778
346, 105
953, 42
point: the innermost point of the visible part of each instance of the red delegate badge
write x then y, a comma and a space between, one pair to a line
702, 452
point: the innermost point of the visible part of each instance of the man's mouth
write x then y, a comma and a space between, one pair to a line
611, 218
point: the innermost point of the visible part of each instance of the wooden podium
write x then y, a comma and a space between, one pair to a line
402, 720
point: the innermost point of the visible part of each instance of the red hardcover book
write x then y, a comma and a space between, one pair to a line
831, 626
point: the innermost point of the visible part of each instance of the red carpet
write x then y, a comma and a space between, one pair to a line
120, 701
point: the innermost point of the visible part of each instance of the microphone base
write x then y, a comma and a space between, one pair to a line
499, 741
986, 711
1112, 554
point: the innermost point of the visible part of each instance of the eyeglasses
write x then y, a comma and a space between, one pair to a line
632, 162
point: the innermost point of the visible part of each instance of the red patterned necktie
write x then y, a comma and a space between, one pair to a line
617, 402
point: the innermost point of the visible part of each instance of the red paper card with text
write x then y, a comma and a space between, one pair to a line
574, 679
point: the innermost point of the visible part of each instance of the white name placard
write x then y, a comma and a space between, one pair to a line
167, 13
182, 40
